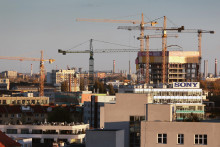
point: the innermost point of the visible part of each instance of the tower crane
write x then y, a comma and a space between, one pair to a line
164, 30
199, 31
42, 60
91, 58
141, 27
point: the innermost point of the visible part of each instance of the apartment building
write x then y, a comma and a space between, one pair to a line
56, 77
159, 130
47, 133
21, 100
92, 109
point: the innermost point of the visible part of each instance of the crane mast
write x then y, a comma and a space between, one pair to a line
164, 50
91, 67
41, 75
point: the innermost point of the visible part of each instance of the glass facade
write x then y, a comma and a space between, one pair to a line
135, 132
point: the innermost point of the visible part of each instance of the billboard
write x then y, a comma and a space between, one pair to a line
184, 85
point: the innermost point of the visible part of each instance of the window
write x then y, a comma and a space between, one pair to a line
24, 131
201, 139
11, 131
162, 138
180, 139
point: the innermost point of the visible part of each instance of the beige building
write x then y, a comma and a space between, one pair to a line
24, 100
56, 77
159, 130
9, 74
129, 110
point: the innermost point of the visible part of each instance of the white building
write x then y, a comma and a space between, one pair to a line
47, 133
9, 74
92, 109
56, 77
187, 97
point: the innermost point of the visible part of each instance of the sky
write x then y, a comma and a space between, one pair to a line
28, 26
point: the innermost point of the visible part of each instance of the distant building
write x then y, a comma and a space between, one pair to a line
101, 75
56, 77
4, 84
24, 100
92, 109
9, 74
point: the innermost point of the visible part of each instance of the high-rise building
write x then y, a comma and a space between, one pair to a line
205, 68
216, 73
113, 66
182, 66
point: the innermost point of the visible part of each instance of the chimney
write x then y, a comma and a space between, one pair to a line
129, 67
31, 70
216, 74
205, 68
113, 66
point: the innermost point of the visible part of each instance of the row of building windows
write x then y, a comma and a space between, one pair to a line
39, 131
23, 101
162, 101
199, 139
19, 115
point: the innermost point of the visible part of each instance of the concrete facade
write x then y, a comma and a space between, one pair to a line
160, 130
92, 109
105, 138
117, 116
150, 131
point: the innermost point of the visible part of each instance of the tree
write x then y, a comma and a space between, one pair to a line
100, 86
111, 89
64, 86
59, 114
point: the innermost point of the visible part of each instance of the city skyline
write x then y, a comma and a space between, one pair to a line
30, 26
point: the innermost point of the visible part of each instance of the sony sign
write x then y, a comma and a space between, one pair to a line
186, 85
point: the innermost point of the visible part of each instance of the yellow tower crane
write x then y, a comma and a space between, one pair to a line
199, 31
141, 28
42, 60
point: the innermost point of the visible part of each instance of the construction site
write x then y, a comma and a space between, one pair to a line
154, 67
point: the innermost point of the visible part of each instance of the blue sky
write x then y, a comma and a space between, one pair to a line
28, 26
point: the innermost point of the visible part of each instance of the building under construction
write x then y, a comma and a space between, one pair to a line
181, 66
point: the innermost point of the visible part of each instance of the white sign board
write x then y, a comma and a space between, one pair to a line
184, 85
